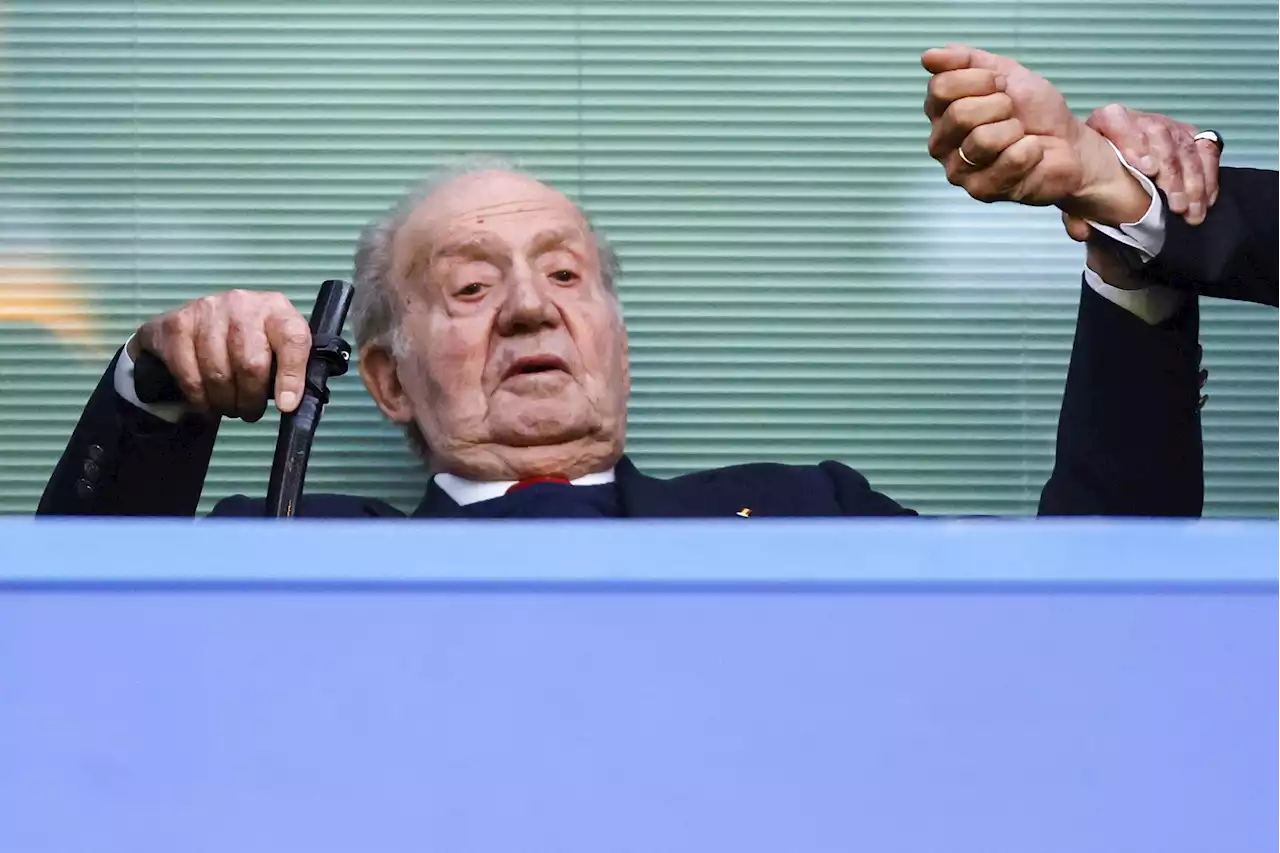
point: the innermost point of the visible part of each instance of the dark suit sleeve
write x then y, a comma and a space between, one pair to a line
123, 461
1232, 254
1129, 440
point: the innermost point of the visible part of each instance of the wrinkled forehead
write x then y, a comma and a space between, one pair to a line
514, 208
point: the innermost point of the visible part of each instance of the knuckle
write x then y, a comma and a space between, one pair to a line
256, 363
958, 114
984, 140
192, 389
242, 303
177, 324
936, 149
297, 337
1109, 114
297, 331
202, 314
1022, 158
978, 148
279, 302
938, 87
982, 191
1023, 163
1149, 124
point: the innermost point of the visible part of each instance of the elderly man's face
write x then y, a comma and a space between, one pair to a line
516, 361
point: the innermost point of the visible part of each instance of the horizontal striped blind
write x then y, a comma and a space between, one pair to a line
800, 281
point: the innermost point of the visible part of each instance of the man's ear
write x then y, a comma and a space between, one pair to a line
379, 370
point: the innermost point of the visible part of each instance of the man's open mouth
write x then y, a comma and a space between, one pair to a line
535, 364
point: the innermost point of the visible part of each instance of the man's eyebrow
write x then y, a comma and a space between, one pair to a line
481, 246
553, 238
487, 246
484, 246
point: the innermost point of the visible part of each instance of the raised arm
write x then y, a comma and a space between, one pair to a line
1129, 438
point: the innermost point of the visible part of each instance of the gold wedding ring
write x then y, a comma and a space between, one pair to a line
966, 159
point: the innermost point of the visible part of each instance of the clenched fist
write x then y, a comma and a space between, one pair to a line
219, 349
1005, 133
1001, 131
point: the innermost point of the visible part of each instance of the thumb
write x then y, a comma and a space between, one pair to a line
1077, 228
953, 57
290, 338
979, 58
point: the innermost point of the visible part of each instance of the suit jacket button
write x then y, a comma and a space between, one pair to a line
90, 470
84, 489
95, 452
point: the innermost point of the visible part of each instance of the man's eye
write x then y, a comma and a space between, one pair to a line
564, 276
472, 289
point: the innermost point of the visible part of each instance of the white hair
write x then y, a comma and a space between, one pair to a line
375, 307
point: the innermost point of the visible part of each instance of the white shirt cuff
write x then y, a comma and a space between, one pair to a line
1147, 234
171, 412
1153, 304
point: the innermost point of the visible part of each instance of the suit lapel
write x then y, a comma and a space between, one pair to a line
641, 496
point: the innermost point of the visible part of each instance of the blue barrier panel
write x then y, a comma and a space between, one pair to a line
744, 686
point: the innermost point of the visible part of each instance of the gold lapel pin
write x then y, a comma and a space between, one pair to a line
745, 512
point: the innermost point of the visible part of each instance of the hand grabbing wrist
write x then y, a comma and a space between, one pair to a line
1108, 194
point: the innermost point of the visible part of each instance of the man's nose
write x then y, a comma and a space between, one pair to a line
528, 306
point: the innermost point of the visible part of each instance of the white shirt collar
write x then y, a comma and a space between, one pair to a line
464, 491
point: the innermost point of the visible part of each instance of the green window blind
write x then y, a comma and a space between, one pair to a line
800, 281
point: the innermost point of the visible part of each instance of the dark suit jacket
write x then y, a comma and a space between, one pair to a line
1232, 254
1128, 444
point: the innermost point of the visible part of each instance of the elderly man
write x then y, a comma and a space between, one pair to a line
488, 326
